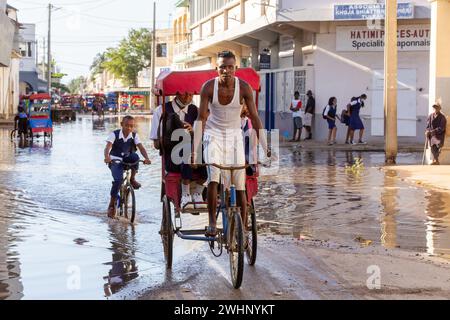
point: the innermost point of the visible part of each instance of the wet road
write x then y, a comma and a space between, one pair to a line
55, 242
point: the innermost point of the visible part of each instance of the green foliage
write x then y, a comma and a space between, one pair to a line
126, 61
356, 168
76, 85
97, 66
60, 86
58, 75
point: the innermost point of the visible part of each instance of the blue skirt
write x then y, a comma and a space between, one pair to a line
356, 123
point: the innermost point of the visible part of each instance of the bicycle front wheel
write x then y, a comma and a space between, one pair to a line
236, 248
252, 245
167, 232
130, 204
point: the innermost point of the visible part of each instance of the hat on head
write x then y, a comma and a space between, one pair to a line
309, 93
437, 106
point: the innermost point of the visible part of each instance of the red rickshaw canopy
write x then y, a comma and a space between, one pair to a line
171, 82
40, 96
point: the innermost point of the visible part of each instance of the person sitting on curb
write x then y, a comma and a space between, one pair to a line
435, 132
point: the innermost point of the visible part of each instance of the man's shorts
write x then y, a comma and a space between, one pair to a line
307, 120
225, 152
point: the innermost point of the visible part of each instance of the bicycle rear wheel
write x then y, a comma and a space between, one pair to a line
167, 232
13, 134
252, 246
130, 204
236, 248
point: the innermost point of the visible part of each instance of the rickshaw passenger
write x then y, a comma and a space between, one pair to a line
122, 145
250, 142
21, 122
224, 96
186, 114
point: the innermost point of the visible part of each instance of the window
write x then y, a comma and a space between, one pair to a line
26, 49
161, 50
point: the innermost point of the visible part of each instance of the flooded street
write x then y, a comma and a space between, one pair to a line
56, 242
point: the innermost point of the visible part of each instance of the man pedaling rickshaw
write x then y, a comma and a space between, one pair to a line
219, 122
180, 114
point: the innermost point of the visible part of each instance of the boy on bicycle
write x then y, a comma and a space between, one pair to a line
122, 145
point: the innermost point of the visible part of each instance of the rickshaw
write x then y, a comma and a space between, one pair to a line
39, 114
98, 105
231, 235
89, 102
112, 102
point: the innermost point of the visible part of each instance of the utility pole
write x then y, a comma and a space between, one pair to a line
49, 53
390, 81
152, 81
43, 70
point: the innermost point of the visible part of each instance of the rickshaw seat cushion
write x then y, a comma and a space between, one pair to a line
251, 186
173, 186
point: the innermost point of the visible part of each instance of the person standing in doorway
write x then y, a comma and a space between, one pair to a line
310, 109
296, 107
435, 132
355, 122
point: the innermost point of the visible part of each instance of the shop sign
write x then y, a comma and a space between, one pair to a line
370, 11
361, 38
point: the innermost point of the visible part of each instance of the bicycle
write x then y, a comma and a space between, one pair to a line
126, 199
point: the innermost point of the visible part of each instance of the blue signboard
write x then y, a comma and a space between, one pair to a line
371, 11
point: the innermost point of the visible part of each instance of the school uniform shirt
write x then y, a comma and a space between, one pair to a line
297, 114
112, 137
157, 117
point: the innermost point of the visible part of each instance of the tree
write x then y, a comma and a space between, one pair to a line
77, 85
97, 66
131, 56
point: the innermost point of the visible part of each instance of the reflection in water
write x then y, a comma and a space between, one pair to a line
438, 223
123, 265
389, 201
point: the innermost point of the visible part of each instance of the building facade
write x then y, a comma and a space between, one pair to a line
331, 48
9, 60
29, 81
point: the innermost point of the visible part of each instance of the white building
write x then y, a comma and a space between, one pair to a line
9, 60
29, 81
327, 46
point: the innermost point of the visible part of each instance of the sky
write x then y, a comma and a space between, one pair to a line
81, 29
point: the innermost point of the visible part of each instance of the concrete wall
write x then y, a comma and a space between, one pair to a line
7, 30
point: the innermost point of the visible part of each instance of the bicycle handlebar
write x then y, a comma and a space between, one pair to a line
117, 161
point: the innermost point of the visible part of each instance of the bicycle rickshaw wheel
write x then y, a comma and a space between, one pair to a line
252, 248
167, 232
130, 204
236, 249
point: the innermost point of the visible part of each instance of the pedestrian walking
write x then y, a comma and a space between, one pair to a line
296, 107
435, 132
355, 122
330, 114
308, 115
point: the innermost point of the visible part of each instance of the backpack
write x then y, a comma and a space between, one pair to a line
323, 113
170, 123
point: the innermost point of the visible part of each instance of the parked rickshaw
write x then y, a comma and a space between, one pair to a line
39, 113
112, 102
90, 98
231, 234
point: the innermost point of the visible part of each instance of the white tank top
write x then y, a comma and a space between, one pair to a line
224, 119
